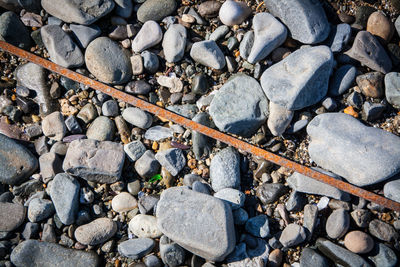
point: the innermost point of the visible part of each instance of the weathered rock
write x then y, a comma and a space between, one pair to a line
53, 126
156, 10
85, 34
339, 37
258, 226
101, 129
134, 150
144, 226
342, 80
380, 25
382, 255
209, 9
382, 230
337, 223
149, 35
96, 232
358, 242
123, 8
371, 84
172, 159
171, 253
12, 215
13, 31
40, 209
136, 248
225, 170
293, 235
174, 43
208, 54
147, 166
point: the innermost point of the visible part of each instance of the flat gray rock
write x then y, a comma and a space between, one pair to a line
17, 162
342, 79
86, 158
392, 88
174, 43
205, 226
305, 19
157, 133
78, 11
258, 226
269, 34
31, 253
136, 248
13, 31
107, 61
155, 10
360, 154
172, 159
299, 80
64, 192
233, 197
187, 110
225, 169
239, 106
12, 215
208, 54
219, 32
149, 35
85, 34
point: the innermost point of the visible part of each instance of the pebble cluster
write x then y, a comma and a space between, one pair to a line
88, 180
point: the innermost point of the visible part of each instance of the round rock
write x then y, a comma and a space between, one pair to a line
102, 129
233, 12
96, 232
338, 223
144, 226
155, 10
123, 202
137, 117
358, 242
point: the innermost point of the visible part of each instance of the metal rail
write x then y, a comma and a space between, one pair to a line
227, 139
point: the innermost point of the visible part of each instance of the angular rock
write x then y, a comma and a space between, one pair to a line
258, 226
40, 209
155, 10
371, 84
85, 34
172, 159
134, 150
269, 193
279, 119
233, 197
225, 169
342, 80
174, 43
124, 8
246, 44
299, 80
339, 37
136, 248
96, 232
13, 31
11, 216
205, 227
144, 226
147, 166
53, 126
137, 117
334, 135
208, 54
233, 12
86, 158
392, 88
292, 235
149, 35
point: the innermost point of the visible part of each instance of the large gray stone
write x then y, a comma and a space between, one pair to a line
305, 19
205, 226
155, 10
362, 155
225, 169
33, 253
109, 62
17, 162
174, 43
208, 54
240, 106
279, 119
60, 46
382, 255
12, 215
299, 80
95, 161
13, 31
78, 11
392, 88
339, 36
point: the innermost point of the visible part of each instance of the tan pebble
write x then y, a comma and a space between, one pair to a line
165, 146
188, 18
358, 242
154, 146
275, 258
380, 25
123, 202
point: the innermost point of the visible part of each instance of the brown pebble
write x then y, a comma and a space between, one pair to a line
380, 25
358, 242
346, 18
209, 9
275, 258
371, 84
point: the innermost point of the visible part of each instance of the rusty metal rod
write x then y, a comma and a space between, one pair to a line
227, 139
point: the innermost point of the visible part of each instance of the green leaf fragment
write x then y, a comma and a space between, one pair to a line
156, 177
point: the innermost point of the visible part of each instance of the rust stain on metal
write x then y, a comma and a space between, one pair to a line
227, 139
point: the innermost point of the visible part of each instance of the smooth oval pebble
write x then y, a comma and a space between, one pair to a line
144, 226
137, 117
358, 242
149, 35
96, 232
233, 12
123, 202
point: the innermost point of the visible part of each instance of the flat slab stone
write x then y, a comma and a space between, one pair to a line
17, 162
343, 145
239, 106
136, 248
205, 226
45, 254
299, 80
305, 19
95, 161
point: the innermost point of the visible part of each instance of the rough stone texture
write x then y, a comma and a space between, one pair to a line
279, 119
367, 49
174, 43
44, 254
96, 232
144, 226
342, 80
13, 31
149, 35
337, 223
137, 117
299, 80
382, 231
155, 10
85, 158
240, 106
136, 248
53, 126
40, 209
392, 88
107, 61
78, 11
305, 19
172, 159
60, 46
371, 155
292, 235
208, 54
171, 253
225, 169
134, 150
17, 162
339, 36
147, 166
11, 216
205, 226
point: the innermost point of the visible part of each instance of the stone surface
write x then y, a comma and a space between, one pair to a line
341, 134
233, 12
382, 255
156, 10
279, 119
18, 163
158, 133
136, 248
123, 202
205, 227
13, 31
258, 226
269, 193
225, 169
310, 257
337, 223
11, 216
292, 235
339, 37
134, 150
233, 197
107, 61
208, 54
171, 253
84, 34
301, 79
380, 25
358, 242
172, 159
123, 8
392, 190
240, 106
174, 43
371, 84
96, 232
144, 226
392, 88
85, 158
342, 79
149, 35
305, 19
60, 46
40, 209
101, 129
382, 230
45, 254
53, 126
209, 9
64, 192
137, 117
80, 11
147, 166
201, 143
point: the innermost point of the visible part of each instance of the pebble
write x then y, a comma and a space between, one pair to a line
148, 203
337, 224
219, 32
150, 61
246, 44
392, 91
339, 37
88, 113
296, 201
96, 232
355, 99
340, 135
380, 25
240, 216
53, 126
155, 10
372, 111
84, 158
61, 48
208, 54
310, 219
371, 84
362, 15
225, 169
361, 217
305, 19
13, 31
152, 261
383, 231
31, 231
310, 257
233, 197
136, 248
342, 79
201, 188
134, 150
208, 235
382, 255
200, 84
149, 35
64, 192
209, 9
123, 202
174, 43
140, 87
258, 226
233, 12
292, 77
101, 129
147, 166
107, 61
292, 235
172, 159
110, 108
171, 253
40, 209
174, 84
144, 226
240, 106
279, 119
269, 193
18, 163
80, 12
368, 51
137, 117
12, 215
157, 133
36, 253
137, 69
358, 242
269, 34
201, 143
187, 110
